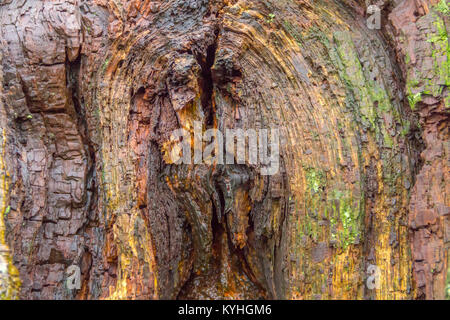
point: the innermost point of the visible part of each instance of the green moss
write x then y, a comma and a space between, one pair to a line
270, 18
413, 99
442, 7
312, 208
369, 98
447, 289
388, 140
315, 179
441, 50
417, 84
105, 65
345, 218
290, 29
314, 33
406, 128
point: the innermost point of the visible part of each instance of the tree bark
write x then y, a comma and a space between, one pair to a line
91, 92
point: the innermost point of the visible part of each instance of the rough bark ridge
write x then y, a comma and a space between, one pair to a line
92, 90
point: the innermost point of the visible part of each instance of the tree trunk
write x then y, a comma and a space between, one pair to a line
91, 92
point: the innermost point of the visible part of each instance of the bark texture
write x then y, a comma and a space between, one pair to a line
90, 92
